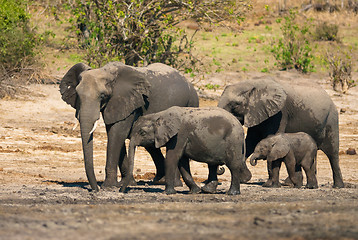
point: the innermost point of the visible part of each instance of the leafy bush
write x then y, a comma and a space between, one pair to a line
327, 32
17, 41
293, 49
340, 64
141, 32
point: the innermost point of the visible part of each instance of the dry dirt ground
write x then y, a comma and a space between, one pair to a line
44, 192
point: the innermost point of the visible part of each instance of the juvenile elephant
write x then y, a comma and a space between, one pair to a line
210, 135
121, 93
267, 107
296, 150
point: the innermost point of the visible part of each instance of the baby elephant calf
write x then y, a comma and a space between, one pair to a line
296, 150
209, 135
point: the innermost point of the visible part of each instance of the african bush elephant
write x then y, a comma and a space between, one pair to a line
121, 93
296, 150
210, 135
268, 107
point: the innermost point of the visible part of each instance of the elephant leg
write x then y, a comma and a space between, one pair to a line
158, 159
310, 169
275, 173
331, 149
184, 168
212, 182
291, 165
269, 182
123, 164
299, 177
235, 170
117, 134
171, 166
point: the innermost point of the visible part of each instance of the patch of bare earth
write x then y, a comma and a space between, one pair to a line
44, 192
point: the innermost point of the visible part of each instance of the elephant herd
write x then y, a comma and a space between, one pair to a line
155, 106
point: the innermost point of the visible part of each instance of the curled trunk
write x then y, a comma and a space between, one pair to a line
253, 161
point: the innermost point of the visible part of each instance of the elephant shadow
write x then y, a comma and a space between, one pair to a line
83, 185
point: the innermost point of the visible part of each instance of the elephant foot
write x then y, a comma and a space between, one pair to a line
338, 184
161, 181
132, 182
287, 182
233, 192
271, 184
195, 190
210, 187
170, 191
311, 186
109, 184
268, 183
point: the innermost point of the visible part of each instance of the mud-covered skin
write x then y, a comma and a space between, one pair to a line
296, 150
122, 93
268, 107
209, 135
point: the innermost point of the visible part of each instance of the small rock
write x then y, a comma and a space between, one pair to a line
343, 110
351, 151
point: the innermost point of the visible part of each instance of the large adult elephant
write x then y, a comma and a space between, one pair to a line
121, 93
266, 106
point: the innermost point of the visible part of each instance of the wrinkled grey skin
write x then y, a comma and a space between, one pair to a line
296, 150
267, 107
209, 135
121, 93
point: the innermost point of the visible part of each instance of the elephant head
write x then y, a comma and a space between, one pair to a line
270, 149
153, 129
253, 101
116, 90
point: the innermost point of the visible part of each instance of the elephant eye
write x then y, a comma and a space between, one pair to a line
142, 132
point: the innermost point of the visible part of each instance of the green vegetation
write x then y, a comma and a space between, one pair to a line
17, 40
340, 64
142, 32
294, 49
326, 32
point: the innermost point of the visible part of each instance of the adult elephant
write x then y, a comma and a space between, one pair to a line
121, 93
266, 107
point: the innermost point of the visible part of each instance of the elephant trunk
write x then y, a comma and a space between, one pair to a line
87, 146
253, 160
128, 177
88, 119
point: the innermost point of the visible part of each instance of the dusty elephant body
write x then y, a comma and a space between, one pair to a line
267, 107
121, 93
296, 150
210, 135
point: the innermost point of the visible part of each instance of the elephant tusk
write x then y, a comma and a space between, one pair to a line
94, 127
76, 125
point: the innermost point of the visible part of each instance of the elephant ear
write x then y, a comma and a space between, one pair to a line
280, 148
69, 83
165, 128
129, 89
266, 99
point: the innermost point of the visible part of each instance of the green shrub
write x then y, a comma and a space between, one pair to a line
326, 32
17, 41
293, 49
340, 64
141, 32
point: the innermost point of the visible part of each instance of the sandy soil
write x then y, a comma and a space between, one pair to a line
44, 192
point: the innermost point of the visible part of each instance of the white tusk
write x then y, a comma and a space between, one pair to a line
76, 125
94, 127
